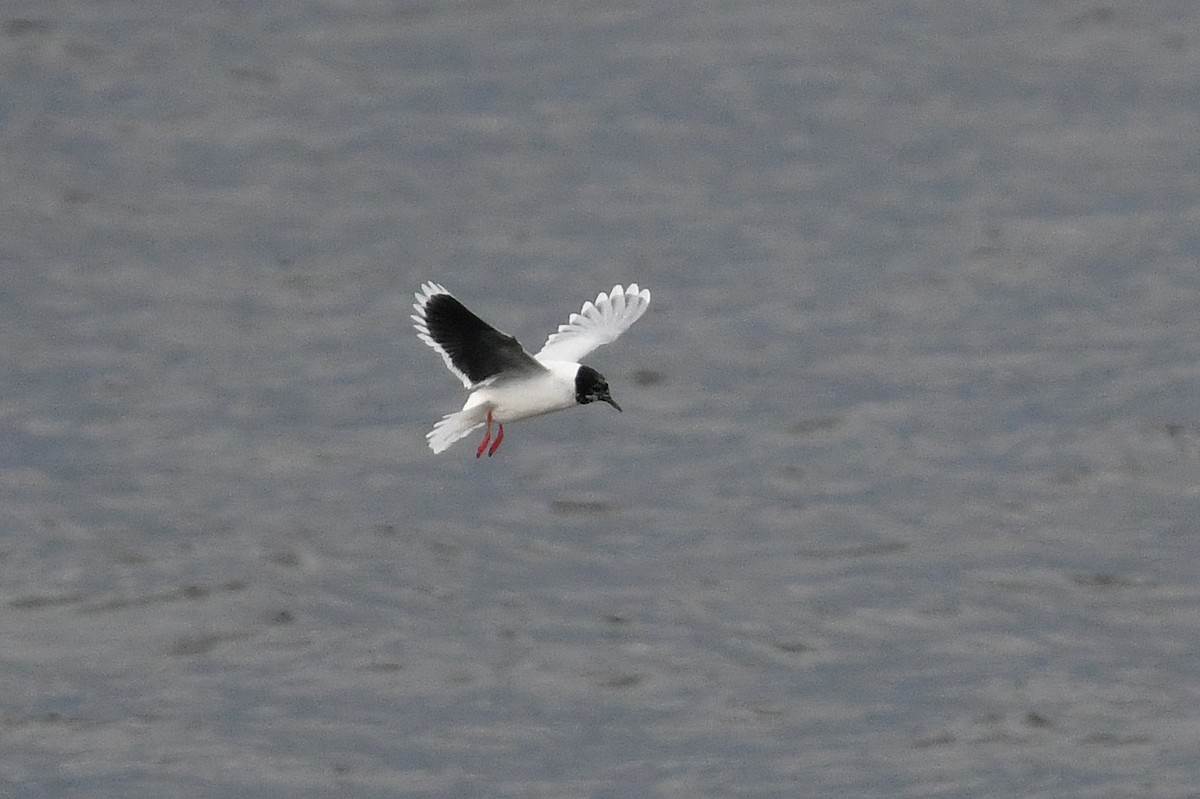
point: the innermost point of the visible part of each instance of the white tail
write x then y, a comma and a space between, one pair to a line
454, 426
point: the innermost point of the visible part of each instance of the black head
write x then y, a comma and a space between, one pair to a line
590, 386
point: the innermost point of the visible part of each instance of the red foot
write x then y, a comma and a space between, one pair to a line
487, 436
496, 443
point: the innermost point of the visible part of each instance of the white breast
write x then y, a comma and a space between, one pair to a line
510, 400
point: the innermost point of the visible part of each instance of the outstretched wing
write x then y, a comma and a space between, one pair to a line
472, 349
598, 323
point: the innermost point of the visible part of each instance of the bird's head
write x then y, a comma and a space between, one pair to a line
591, 386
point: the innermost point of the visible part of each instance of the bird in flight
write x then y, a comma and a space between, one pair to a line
505, 381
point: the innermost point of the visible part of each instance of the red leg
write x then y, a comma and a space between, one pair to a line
486, 437
496, 443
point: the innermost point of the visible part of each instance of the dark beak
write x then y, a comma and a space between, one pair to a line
611, 401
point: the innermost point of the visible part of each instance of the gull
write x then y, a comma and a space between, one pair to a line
506, 383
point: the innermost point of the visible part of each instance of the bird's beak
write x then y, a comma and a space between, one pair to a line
611, 402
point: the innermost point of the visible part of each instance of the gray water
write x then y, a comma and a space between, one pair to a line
905, 501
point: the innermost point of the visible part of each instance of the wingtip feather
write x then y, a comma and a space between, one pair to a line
429, 290
604, 319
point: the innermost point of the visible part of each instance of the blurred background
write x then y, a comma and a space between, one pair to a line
905, 501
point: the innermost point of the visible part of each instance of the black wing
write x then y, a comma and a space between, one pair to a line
472, 348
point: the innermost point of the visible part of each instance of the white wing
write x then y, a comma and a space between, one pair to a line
597, 323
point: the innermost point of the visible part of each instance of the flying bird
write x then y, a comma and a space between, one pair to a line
505, 381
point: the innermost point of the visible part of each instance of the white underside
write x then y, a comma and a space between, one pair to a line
508, 401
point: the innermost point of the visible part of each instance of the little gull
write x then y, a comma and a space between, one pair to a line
505, 381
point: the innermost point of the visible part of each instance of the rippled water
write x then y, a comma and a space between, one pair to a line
904, 501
